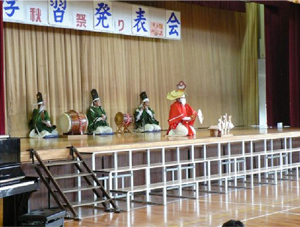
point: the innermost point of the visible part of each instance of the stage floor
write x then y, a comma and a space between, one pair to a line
57, 147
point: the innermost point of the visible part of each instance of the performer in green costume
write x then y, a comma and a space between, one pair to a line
97, 116
40, 124
144, 116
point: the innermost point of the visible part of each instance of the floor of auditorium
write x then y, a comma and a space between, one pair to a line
265, 205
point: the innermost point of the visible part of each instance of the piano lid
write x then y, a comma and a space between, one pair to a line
4, 136
9, 151
12, 172
26, 184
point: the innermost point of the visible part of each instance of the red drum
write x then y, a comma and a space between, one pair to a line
123, 119
127, 119
73, 122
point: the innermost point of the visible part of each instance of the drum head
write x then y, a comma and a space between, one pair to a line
65, 123
119, 118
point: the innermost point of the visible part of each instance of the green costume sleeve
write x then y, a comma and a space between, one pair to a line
94, 114
103, 111
37, 121
46, 116
139, 123
145, 118
91, 116
32, 121
152, 119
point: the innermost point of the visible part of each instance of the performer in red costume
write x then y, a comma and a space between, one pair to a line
182, 116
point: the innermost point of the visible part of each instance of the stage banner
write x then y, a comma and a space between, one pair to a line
173, 25
59, 13
96, 16
13, 11
122, 18
103, 16
140, 20
157, 22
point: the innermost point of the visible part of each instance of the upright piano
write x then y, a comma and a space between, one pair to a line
15, 187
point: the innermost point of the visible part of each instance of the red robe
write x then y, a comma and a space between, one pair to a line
179, 111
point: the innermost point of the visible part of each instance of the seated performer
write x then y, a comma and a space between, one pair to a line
144, 116
182, 116
40, 125
97, 117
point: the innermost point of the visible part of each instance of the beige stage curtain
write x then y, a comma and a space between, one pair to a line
215, 57
249, 70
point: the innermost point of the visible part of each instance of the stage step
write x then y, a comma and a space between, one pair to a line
77, 189
145, 166
68, 176
62, 163
88, 179
87, 203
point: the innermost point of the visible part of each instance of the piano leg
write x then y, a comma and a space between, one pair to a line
14, 206
1, 211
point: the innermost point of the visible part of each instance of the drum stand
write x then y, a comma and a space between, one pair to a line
126, 129
123, 121
123, 129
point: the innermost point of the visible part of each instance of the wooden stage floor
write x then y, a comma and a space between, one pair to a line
265, 205
56, 148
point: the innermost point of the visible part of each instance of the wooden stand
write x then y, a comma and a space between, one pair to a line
123, 128
119, 130
214, 133
126, 129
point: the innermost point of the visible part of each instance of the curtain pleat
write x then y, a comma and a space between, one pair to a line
282, 63
249, 66
2, 89
294, 68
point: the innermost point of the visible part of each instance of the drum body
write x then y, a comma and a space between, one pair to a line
124, 119
127, 119
73, 122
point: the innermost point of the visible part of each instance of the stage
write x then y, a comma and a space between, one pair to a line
56, 148
206, 155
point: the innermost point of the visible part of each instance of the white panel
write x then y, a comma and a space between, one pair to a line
36, 12
59, 13
82, 15
13, 11
122, 18
157, 22
173, 25
103, 16
262, 93
140, 20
